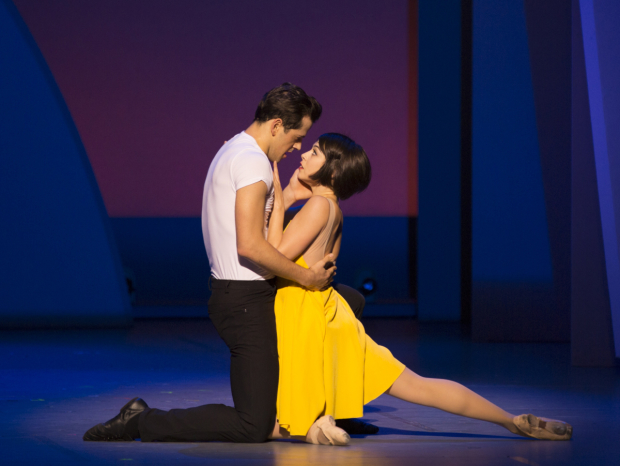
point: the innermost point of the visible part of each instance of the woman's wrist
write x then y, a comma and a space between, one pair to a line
289, 197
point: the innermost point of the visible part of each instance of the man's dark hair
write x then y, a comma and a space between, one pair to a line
346, 169
290, 103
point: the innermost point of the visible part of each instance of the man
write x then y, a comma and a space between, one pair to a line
237, 200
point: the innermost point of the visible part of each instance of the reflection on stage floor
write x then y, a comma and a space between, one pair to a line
58, 383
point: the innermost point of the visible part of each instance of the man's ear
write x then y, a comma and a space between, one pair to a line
276, 126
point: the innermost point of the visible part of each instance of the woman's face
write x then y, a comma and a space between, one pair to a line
311, 162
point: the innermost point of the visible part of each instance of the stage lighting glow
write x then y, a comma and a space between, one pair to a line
369, 286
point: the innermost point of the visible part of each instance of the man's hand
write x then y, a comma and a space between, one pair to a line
321, 274
276, 219
278, 198
296, 190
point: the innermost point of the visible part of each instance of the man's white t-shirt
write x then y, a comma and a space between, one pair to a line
239, 163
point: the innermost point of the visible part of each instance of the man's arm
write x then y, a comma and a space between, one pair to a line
251, 243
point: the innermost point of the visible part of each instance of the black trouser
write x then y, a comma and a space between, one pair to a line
243, 314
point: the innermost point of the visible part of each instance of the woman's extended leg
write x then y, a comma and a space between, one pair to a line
451, 397
455, 398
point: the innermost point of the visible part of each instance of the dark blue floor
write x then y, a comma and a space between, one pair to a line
56, 384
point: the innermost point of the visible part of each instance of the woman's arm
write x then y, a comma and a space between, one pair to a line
251, 243
304, 227
295, 191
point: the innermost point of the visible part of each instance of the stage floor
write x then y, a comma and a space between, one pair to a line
57, 384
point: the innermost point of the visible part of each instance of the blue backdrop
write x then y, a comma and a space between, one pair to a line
59, 264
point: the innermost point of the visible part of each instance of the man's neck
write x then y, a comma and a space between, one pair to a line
260, 133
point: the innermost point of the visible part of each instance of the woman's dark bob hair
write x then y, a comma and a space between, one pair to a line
346, 169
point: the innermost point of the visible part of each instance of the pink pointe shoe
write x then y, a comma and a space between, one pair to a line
326, 426
543, 428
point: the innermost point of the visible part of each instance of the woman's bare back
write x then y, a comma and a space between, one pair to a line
329, 238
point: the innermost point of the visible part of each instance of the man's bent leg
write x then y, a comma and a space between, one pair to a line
243, 314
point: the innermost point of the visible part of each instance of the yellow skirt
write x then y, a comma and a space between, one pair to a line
328, 365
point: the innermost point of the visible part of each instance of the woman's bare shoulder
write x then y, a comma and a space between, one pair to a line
315, 208
317, 202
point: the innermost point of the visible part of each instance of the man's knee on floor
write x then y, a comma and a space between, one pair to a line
257, 435
259, 432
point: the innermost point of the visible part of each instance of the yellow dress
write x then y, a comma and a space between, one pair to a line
328, 365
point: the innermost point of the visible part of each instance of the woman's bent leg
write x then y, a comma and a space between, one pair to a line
451, 397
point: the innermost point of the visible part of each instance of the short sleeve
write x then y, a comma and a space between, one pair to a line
250, 167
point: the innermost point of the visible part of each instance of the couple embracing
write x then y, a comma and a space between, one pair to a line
299, 355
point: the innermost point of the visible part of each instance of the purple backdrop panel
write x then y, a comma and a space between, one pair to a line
156, 86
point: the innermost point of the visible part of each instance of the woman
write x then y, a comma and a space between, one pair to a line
329, 368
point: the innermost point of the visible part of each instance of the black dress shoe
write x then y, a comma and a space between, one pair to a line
123, 426
356, 427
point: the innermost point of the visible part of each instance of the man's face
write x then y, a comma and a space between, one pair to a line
286, 141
